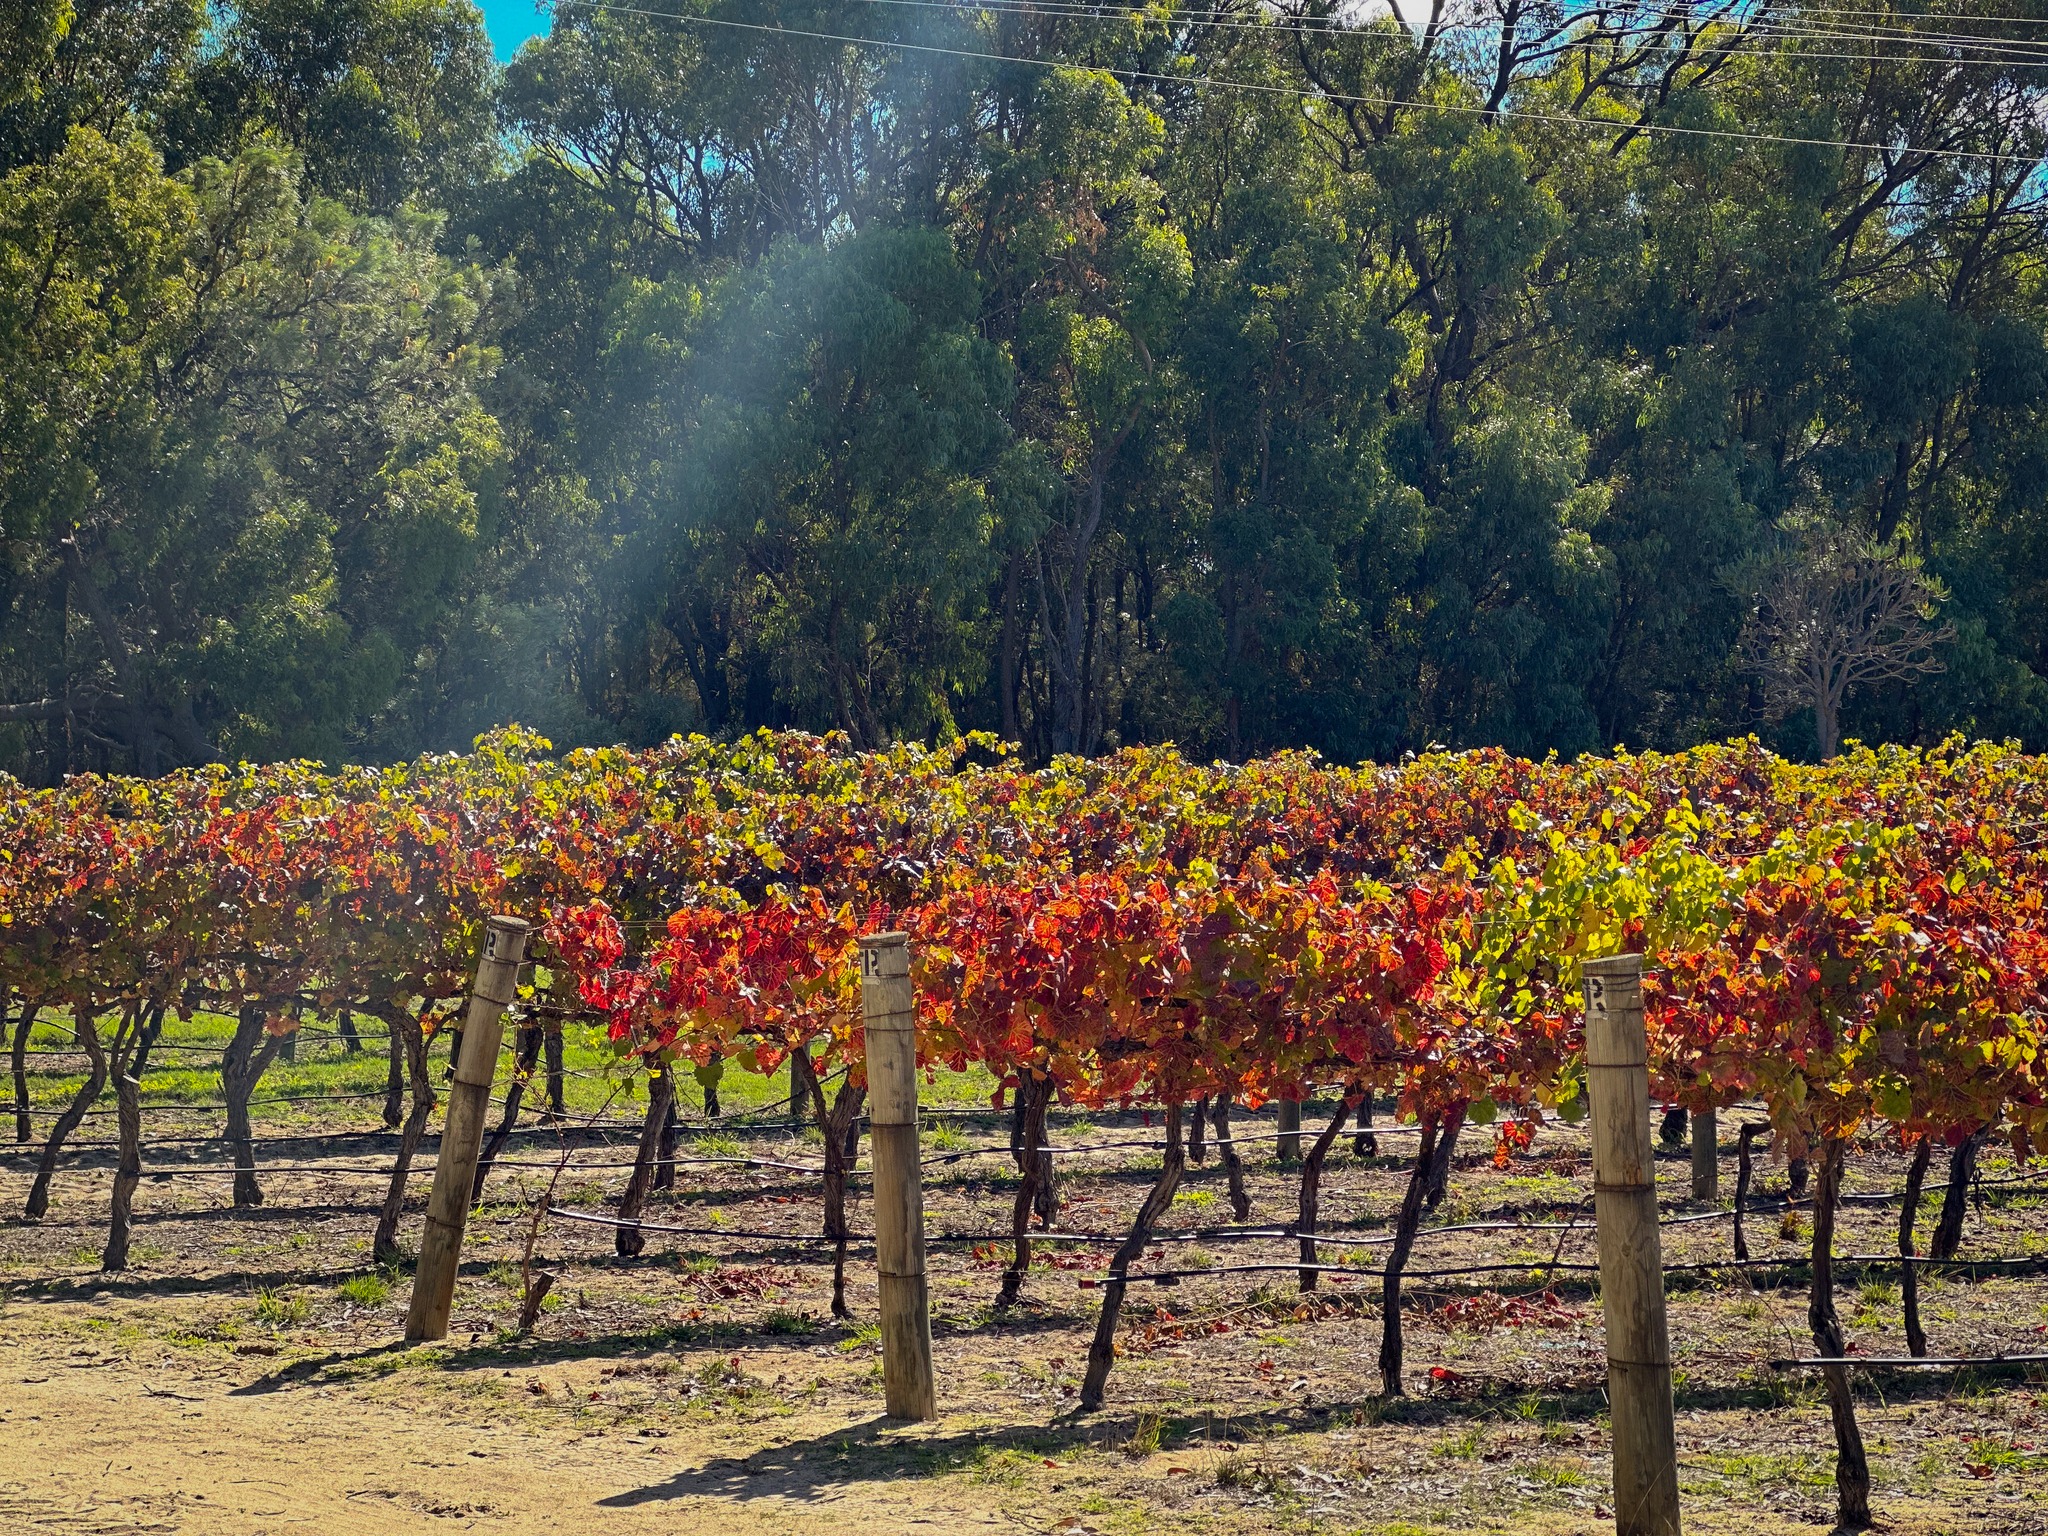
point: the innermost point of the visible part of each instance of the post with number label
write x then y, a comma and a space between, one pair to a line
891, 1038
1631, 1253
462, 1134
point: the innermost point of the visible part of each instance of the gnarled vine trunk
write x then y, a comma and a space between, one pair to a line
242, 1066
1955, 1201
841, 1127
94, 1085
671, 1137
1034, 1094
1745, 1169
1311, 1194
394, 1073
125, 1056
410, 1030
1852, 1466
628, 1240
525, 1056
551, 1047
152, 1031
1405, 1228
1365, 1143
1226, 1150
1102, 1350
1909, 1272
24, 1122
1439, 1183
803, 1082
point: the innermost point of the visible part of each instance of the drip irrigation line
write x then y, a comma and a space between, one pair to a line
220, 1109
621, 1126
1174, 1276
676, 1162
1905, 1362
592, 1219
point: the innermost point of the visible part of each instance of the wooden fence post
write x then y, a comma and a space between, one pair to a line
1706, 1155
462, 1133
891, 1031
1287, 1146
1631, 1253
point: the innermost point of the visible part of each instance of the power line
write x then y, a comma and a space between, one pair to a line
1260, 88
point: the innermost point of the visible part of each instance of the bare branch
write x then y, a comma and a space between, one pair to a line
1839, 616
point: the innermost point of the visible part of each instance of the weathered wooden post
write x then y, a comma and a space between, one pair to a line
1288, 1147
1631, 1254
462, 1134
1706, 1155
891, 1030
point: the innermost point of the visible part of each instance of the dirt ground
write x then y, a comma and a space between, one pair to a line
247, 1374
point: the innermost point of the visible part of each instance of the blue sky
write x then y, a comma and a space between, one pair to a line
510, 23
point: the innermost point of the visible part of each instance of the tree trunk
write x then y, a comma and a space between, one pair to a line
24, 1122
345, 1026
1007, 670
1948, 1228
1226, 1149
1311, 1194
247, 1057
1745, 1167
525, 1054
1796, 1176
410, 1031
1671, 1130
1198, 1119
95, 1084
124, 1060
1405, 1228
1034, 1093
628, 1241
1102, 1351
1852, 1466
1909, 1272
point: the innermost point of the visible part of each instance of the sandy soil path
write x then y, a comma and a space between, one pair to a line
104, 1450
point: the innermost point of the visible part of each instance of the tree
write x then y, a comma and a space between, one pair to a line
812, 458
1841, 615
245, 456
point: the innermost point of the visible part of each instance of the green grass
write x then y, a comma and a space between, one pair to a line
1765, 1469
184, 1070
366, 1290
1463, 1446
279, 1309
